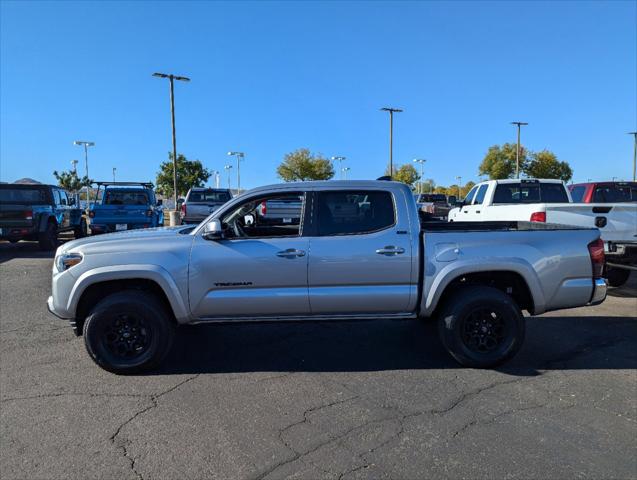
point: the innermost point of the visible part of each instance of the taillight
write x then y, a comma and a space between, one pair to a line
28, 214
263, 209
596, 251
91, 214
538, 217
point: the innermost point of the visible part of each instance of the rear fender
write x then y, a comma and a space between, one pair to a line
450, 271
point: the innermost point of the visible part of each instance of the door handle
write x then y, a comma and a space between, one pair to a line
390, 250
291, 253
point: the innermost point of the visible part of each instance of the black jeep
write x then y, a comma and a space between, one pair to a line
38, 212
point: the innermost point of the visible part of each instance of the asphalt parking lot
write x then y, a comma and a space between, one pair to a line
318, 400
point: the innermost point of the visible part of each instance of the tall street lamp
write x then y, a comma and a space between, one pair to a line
227, 169
391, 111
239, 156
85, 144
340, 164
517, 152
421, 161
344, 171
74, 163
459, 178
171, 78
634, 134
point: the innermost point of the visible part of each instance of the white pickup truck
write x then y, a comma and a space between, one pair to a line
549, 201
358, 252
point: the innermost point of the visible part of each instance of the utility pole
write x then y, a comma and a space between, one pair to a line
344, 171
634, 134
175, 215
391, 111
421, 161
517, 152
459, 178
239, 156
227, 169
114, 170
86, 145
340, 164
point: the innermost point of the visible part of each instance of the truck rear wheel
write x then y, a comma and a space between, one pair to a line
128, 332
48, 240
481, 327
617, 276
81, 230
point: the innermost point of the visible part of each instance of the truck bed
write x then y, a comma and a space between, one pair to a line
433, 226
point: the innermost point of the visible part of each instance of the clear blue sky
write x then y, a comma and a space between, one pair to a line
268, 78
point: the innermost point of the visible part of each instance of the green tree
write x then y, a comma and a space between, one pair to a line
545, 164
69, 180
302, 165
499, 162
190, 173
406, 173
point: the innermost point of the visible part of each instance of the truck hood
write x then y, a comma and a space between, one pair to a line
126, 241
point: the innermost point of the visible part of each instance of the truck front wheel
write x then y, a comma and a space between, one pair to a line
48, 239
481, 327
128, 332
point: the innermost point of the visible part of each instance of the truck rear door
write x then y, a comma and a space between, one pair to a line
360, 253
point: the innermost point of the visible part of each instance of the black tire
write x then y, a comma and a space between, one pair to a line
481, 327
617, 276
48, 240
81, 230
128, 332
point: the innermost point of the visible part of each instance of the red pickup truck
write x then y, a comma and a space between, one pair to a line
604, 192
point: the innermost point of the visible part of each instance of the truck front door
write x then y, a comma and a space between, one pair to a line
360, 254
256, 270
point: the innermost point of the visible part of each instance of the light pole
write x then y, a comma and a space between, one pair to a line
634, 134
421, 161
239, 156
171, 79
517, 152
217, 175
74, 163
340, 164
86, 145
227, 169
391, 111
459, 178
344, 171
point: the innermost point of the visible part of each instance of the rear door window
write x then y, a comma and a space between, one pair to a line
577, 193
354, 212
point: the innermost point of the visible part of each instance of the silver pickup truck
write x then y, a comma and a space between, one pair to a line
359, 252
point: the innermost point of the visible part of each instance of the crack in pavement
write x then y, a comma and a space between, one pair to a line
154, 403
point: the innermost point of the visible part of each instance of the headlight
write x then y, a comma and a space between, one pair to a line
67, 260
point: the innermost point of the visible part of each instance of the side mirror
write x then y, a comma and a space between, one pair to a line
160, 202
212, 230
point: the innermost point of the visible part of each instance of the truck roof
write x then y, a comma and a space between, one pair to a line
525, 180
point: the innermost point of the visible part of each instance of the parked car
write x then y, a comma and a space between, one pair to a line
549, 201
38, 212
125, 206
434, 204
359, 252
201, 202
604, 192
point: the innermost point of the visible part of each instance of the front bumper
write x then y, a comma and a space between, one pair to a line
599, 291
51, 307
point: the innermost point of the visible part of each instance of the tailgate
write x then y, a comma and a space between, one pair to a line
200, 209
617, 222
120, 214
16, 216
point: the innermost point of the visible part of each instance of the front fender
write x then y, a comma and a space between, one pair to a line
126, 272
450, 271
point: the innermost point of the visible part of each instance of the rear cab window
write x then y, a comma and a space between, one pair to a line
204, 196
354, 212
530, 192
615, 193
23, 196
126, 197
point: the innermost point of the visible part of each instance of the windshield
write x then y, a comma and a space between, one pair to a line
216, 196
125, 197
23, 196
